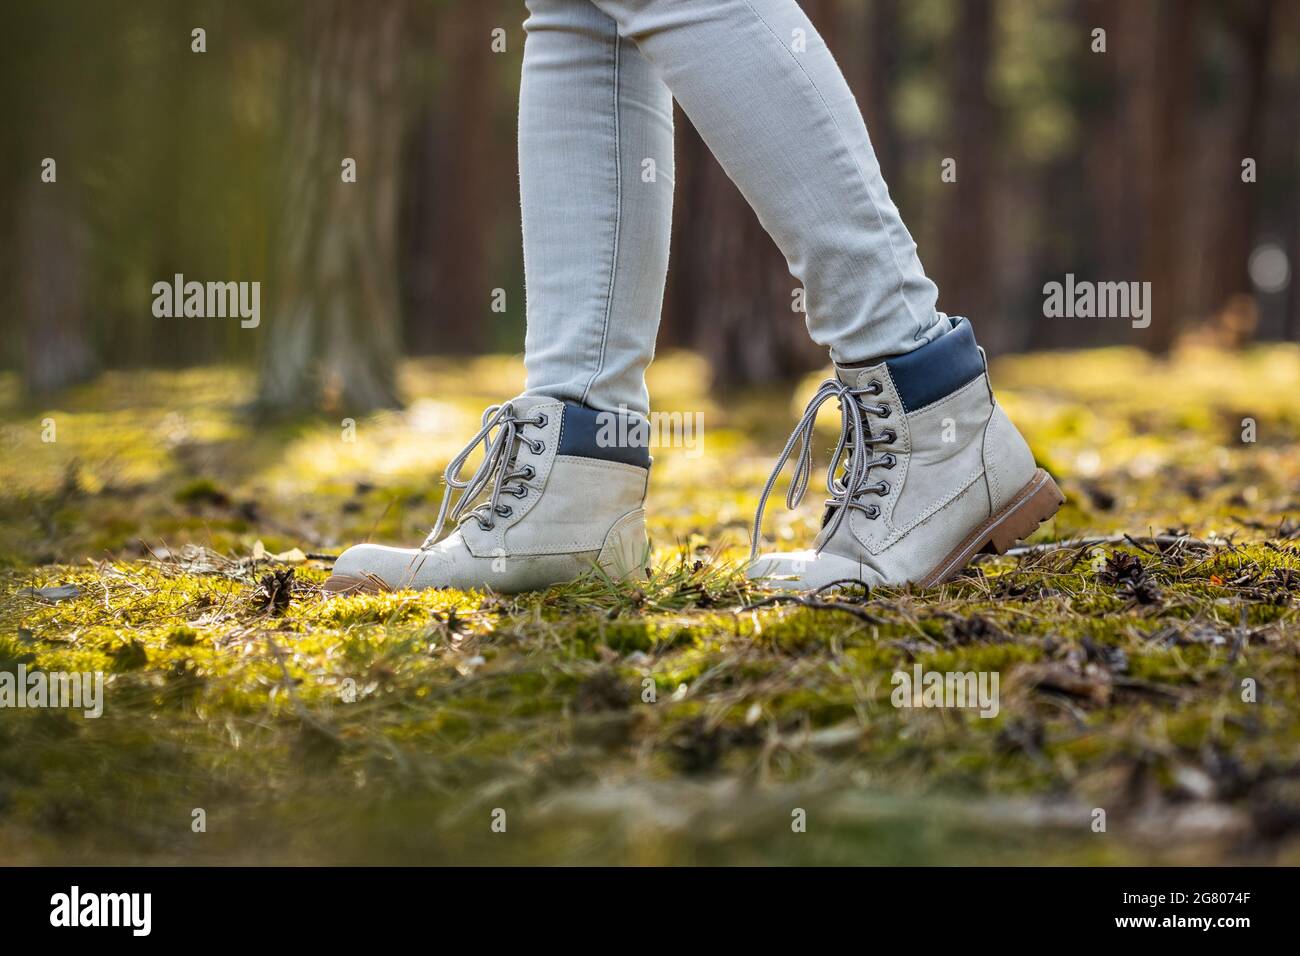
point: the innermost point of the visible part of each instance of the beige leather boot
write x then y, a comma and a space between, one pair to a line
563, 497
928, 472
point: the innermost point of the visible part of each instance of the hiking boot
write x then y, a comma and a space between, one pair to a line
562, 500
927, 473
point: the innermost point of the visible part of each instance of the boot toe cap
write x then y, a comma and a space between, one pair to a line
808, 570
376, 567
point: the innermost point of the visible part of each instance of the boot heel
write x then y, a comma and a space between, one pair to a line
1034, 504
1037, 501
351, 584
627, 547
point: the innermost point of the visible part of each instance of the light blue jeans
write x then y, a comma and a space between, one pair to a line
596, 182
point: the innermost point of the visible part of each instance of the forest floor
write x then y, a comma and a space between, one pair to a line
1149, 705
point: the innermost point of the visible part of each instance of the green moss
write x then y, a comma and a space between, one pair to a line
386, 727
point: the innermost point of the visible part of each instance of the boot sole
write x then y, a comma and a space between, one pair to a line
348, 584
1033, 504
351, 584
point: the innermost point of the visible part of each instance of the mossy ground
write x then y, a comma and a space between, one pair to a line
390, 728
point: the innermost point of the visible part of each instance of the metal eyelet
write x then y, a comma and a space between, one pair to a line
541, 420
882, 410
505, 511
893, 436
519, 491
874, 386
485, 525
890, 460
529, 473
873, 512
536, 447
882, 488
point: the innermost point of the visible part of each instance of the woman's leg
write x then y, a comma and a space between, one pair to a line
552, 496
769, 100
596, 186
928, 470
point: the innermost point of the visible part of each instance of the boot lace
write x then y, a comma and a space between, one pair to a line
499, 456
855, 449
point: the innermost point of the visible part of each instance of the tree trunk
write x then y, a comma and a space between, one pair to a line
1166, 84
1110, 155
52, 253
457, 205
965, 270
1249, 25
45, 242
883, 69
331, 340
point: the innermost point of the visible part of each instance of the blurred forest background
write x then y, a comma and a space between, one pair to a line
153, 531
1124, 165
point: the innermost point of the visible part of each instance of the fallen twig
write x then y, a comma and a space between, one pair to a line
814, 604
1161, 541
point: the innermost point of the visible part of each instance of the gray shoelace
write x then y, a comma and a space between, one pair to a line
498, 456
855, 439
